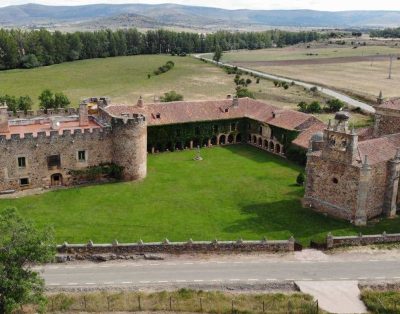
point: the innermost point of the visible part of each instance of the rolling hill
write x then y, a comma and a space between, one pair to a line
165, 15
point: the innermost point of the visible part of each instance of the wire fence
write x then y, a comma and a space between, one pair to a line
183, 301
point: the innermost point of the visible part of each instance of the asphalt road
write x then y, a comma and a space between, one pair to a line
327, 91
164, 273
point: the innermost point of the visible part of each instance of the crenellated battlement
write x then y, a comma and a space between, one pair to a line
83, 133
128, 119
43, 113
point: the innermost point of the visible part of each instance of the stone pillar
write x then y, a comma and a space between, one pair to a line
392, 189
191, 145
83, 115
140, 102
218, 139
209, 143
153, 150
378, 119
360, 215
4, 127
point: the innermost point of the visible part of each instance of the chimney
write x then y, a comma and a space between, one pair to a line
83, 115
140, 102
235, 102
4, 128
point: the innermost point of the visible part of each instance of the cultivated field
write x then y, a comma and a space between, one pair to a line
361, 72
123, 79
235, 192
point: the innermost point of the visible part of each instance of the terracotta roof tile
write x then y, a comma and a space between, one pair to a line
393, 104
380, 149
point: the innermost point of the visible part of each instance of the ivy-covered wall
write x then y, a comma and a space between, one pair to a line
174, 136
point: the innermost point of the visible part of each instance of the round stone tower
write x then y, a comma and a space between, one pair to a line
129, 142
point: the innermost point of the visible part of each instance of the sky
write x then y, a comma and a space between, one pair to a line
323, 5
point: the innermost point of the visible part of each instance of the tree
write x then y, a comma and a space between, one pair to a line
302, 106
22, 245
46, 99
217, 54
314, 107
29, 61
244, 92
171, 96
61, 100
25, 103
334, 105
10, 101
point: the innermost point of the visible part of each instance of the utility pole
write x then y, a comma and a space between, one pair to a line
390, 67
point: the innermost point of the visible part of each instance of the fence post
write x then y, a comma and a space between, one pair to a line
201, 305
140, 306
170, 303
232, 307
108, 303
84, 302
263, 306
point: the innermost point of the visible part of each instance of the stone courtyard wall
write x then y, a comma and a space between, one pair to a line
179, 247
334, 242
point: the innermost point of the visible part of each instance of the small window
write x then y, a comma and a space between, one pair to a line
226, 109
82, 155
335, 180
24, 182
54, 161
158, 115
21, 162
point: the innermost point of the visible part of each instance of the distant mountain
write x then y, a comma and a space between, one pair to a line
162, 15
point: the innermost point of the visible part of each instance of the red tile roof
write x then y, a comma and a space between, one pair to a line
194, 111
393, 104
380, 149
303, 139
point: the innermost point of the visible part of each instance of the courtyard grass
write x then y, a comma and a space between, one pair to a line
235, 192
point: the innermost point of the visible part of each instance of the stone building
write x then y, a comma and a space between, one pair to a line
75, 146
355, 176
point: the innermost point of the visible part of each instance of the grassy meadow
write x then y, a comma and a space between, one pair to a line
123, 79
235, 192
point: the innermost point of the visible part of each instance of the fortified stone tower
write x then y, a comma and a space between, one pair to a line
130, 145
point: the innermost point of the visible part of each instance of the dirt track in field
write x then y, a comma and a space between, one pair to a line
315, 61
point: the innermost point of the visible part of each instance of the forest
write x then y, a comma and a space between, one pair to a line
34, 48
386, 33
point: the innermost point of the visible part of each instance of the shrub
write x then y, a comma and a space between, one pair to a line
334, 105
244, 92
302, 106
171, 96
300, 179
248, 81
30, 61
314, 107
258, 80
314, 89
276, 83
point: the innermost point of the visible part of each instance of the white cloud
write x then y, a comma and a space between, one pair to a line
330, 5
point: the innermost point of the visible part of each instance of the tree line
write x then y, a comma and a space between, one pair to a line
34, 48
386, 33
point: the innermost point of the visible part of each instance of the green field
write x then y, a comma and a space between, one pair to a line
235, 192
123, 79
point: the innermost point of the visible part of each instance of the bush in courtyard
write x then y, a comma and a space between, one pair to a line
300, 179
171, 96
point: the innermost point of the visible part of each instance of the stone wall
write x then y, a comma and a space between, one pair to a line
386, 122
376, 190
96, 143
43, 113
334, 242
179, 247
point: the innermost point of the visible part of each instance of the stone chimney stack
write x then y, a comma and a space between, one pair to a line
379, 100
83, 115
235, 102
140, 102
4, 128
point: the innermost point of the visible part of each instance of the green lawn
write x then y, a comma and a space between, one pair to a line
235, 192
123, 79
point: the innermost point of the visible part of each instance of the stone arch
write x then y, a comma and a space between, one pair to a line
249, 138
238, 138
260, 142
271, 146
56, 179
222, 139
278, 148
254, 139
231, 138
214, 140
266, 144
